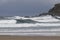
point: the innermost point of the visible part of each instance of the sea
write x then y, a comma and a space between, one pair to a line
49, 26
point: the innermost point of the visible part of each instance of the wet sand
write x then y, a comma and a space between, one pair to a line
29, 38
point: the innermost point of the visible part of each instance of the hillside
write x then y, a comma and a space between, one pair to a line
55, 10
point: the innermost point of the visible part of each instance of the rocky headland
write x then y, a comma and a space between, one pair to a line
55, 11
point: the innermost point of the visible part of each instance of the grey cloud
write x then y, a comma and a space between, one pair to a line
25, 7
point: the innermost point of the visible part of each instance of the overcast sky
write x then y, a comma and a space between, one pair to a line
25, 7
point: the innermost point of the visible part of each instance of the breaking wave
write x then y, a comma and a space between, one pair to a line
45, 25
26, 21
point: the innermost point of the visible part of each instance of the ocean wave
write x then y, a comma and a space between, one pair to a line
31, 31
31, 25
25, 21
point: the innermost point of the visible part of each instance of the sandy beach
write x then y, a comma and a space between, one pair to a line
29, 37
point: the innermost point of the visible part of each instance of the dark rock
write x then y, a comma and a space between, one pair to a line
27, 16
55, 10
43, 14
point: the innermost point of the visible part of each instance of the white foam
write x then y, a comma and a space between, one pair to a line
8, 21
30, 25
32, 32
47, 18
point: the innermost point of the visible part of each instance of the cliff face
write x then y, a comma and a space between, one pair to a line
55, 10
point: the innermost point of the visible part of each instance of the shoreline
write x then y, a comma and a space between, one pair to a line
7, 37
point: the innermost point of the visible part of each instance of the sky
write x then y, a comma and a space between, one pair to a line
25, 7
